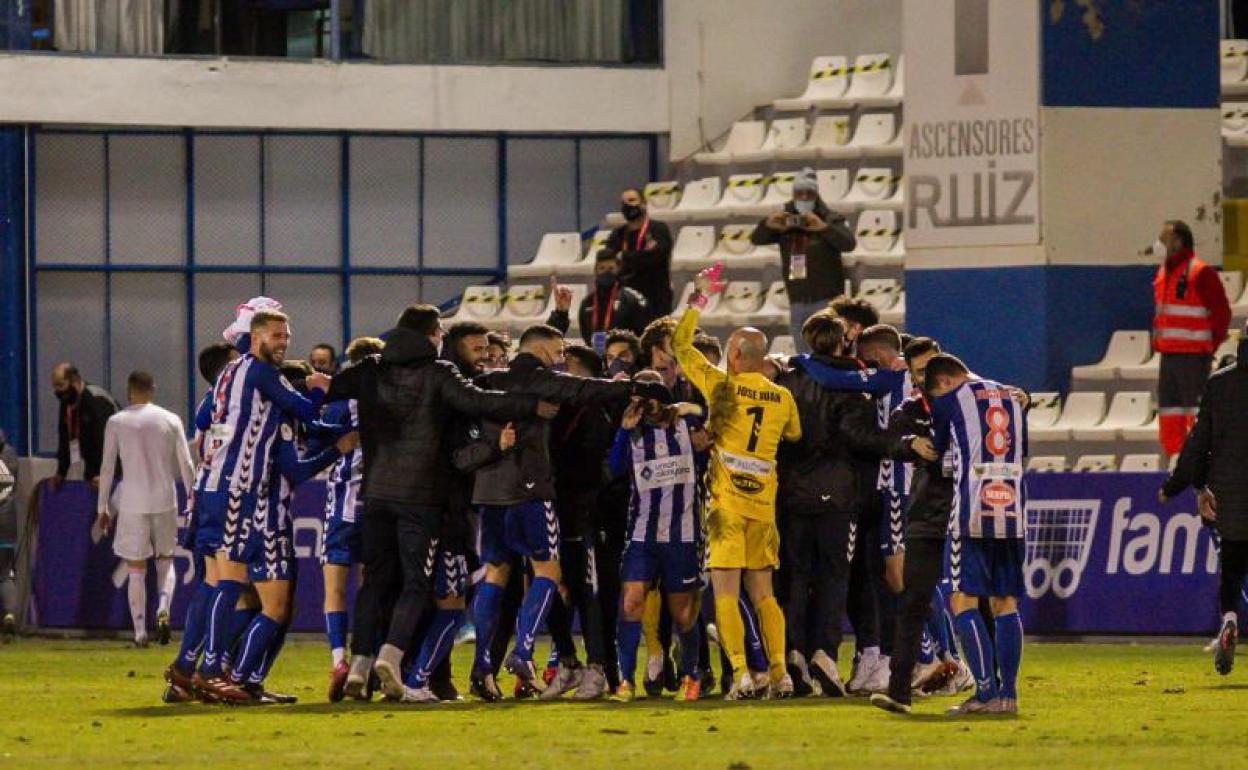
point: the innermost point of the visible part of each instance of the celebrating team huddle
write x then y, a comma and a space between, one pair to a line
638, 488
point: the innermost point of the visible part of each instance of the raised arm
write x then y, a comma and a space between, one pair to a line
877, 382
698, 370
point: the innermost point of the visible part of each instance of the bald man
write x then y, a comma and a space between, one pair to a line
749, 417
82, 413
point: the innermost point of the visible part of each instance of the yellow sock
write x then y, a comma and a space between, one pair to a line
731, 632
771, 626
650, 623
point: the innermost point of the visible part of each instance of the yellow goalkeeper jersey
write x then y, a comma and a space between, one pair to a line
749, 416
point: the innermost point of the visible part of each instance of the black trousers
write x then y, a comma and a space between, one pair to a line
576, 560
869, 602
815, 553
923, 568
608, 556
1233, 556
397, 572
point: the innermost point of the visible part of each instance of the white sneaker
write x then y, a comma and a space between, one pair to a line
877, 680
825, 672
781, 689
357, 679
762, 684
568, 678
965, 680
418, 695
924, 674
864, 665
743, 689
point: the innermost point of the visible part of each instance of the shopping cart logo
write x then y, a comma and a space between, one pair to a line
1059, 542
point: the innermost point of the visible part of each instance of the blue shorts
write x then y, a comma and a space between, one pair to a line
987, 566
276, 560
676, 566
450, 574
220, 526
341, 543
529, 529
892, 522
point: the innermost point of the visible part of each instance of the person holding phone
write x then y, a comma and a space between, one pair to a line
812, 239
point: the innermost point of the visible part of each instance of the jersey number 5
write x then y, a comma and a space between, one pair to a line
757, 413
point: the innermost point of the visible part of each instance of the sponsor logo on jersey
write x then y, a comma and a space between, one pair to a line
997, 494
747, 484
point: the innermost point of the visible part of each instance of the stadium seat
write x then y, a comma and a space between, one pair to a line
1129, 409
896, 93
686, 293
1233, 283
1126, 348
1141, 433
829, 132
871, 77
880, 292
1140, 464
735, 250
874, 187
662, 198
1096, 464
1081, 410
895, 315
779, 192
875, 131
1234, 60
698, 200
1229, 346
693, 247
833, 185
781, 134
775, 309
744, 136
742, 193
783, 345
1145, 372
525, 304
1239, 305
741, 300
595, 245
479, 303
1047, 464
828, 82
558, 253
1234, 124
1044, 411
879, 237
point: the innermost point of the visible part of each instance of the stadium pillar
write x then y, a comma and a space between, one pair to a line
13, 327
1046, 143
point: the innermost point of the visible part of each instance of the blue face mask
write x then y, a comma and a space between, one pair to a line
804, 207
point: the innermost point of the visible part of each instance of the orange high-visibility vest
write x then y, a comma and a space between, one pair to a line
1181, 322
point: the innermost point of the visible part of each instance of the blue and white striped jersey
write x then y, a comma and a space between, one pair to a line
291, 468
342, 491
982, 434
249, 401
666, 474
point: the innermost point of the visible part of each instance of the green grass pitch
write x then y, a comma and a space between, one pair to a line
97, 704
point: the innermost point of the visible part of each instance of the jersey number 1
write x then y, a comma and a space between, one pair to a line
757, 413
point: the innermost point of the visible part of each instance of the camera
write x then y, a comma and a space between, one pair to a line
793, 221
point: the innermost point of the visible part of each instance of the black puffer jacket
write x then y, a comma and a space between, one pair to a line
407, 398
527, 472
828, 470
1216, 452
931, 492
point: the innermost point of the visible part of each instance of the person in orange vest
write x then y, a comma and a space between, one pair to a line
1189, 322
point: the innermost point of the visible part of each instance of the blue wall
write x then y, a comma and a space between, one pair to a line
12, 288
1028, 325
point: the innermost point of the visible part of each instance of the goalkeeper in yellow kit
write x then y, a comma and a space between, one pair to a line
749, 416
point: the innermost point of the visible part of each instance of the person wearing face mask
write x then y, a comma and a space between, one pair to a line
622, 354
83, 411
811, 239
644, 247
1191, 319
611, 305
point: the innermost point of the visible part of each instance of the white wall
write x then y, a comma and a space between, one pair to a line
220, 93
725, 57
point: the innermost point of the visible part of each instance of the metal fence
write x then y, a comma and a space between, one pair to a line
141, 243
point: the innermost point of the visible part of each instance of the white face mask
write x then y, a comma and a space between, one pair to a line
1158, 249
804, 207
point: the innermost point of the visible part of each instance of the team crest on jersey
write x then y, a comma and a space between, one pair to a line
747, 484
288, 433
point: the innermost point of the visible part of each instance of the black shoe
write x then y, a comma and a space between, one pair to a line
707, 680
671, 682
445, 691
1224, 652
801, 687
163, 634
258, 695
484, 687
525, 673
725, 682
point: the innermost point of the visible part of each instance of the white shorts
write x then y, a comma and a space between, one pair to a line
142, 536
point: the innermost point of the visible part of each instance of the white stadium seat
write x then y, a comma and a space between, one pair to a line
880, 292
693, 246
833, 185
782, 345
775, 309
1234, 58
744, 136
1044, 411
871, 77
1126, 348
741, 300
827, 83
1239, 305
662, 199
479, 303
874, 187
596, 245
1141, 464
698, 200
1141, 433
526, 304
878, 233
743, 192
558, 253
781, 135
1229, 346
1129, 409
895, 315
896, 93
1096, 464
735, 250
779, 192
1233, 283
686, 293
1081, 410
1145, 372
876, 134
1235, 124
828, 133
1047, 464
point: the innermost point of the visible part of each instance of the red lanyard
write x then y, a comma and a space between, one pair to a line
606, 322
71, 422
641, 234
